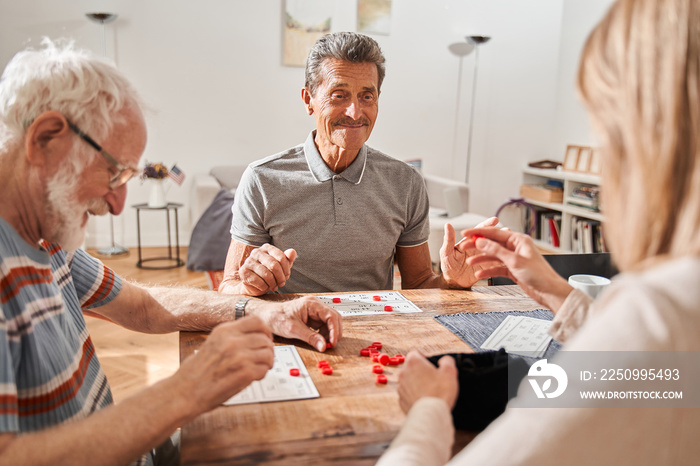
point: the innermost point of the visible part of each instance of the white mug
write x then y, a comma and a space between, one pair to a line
592, 285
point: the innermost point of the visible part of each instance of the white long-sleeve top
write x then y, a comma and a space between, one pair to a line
656, 310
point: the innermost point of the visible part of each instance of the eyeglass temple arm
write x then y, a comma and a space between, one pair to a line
92, 142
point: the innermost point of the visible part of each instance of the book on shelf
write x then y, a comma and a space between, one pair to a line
587, 236
592, 208
584, 196
549, 227
554, 230
599, 239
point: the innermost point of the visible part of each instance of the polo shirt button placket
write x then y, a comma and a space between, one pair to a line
338, 196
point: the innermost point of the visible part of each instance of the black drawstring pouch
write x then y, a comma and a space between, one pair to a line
487, 380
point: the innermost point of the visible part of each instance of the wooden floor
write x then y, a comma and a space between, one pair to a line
133, 360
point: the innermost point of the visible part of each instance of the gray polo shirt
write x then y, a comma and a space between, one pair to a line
345, 227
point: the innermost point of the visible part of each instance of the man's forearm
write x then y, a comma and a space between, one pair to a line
118, 434
163, 309
434, 280
193, 309
431, 280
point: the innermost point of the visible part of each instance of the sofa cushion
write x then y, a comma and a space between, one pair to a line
211, 236
228, 176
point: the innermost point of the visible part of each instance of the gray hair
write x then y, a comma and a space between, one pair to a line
86, 89
347, 46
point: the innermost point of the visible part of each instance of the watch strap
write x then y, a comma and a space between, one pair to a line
240, 307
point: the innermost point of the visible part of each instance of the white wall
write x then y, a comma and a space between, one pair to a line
211, 72
572, 125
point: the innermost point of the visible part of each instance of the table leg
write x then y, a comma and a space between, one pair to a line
138, 235
177, 239
167, 220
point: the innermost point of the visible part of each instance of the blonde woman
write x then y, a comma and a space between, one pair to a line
640, 81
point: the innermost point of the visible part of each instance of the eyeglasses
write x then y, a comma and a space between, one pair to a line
123, 173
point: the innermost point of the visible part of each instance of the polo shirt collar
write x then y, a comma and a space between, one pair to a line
322, 172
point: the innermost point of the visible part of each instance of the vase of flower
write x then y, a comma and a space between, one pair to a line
156, 174
156, 197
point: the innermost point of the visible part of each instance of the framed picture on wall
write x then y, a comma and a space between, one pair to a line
374, 16
571, 158
305, 21
595, 164
584, 159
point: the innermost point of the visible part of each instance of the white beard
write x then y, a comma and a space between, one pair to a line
67, 218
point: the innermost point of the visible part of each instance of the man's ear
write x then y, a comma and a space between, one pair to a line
306, 97
48, 139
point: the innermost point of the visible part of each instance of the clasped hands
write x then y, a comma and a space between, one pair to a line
265, 270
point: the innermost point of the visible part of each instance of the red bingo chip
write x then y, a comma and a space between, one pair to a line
400, 358
336, 300
329, 345
381, 378
377, 369
326, 370
322, 363
377, 344
383, 359
377, 298
375, 357
364, 352
294, 372
388, 308
393, 361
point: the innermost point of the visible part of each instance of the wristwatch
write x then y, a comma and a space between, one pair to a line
240, 307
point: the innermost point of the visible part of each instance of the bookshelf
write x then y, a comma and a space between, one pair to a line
579, 227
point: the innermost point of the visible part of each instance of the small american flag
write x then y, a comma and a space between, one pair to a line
177, 175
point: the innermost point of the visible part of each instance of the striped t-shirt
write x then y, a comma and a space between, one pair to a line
49, 373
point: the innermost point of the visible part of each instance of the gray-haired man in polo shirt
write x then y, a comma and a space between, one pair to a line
346, 210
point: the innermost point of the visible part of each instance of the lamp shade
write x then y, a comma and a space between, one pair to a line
461, 48
102, 18
477, 40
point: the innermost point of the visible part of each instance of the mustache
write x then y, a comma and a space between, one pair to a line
351, 122
98, 206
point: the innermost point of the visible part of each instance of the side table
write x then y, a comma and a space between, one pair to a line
174, 262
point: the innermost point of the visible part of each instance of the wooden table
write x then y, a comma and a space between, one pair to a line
355, 419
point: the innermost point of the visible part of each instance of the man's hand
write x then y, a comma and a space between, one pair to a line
503, 253
234, 355
266, 269
419, 378
306, 319
453, 257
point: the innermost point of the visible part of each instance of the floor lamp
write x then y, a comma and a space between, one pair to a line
460, 49
476, 41
102, 19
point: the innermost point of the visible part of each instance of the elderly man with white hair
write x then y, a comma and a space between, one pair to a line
71, 136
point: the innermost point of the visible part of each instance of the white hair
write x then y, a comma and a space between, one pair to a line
86, 89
